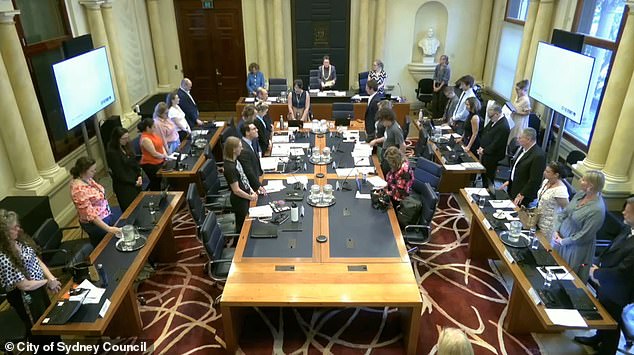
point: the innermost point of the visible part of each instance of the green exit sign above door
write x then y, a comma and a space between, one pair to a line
208, 4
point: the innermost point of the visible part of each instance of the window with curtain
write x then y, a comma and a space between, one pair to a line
43, 26
506, 63
600, 21
516, 11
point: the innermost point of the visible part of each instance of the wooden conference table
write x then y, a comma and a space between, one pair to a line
323, 110
179, 179
453, 179
525, 314
122, 318
364, 262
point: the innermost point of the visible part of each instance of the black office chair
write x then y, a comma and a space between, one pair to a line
199, 210
216, 195
215, 244
572, 158
136, 147
313, 81
503, 172
427, 171
363, 79
57, 254
342, 110
419, 234
277, 85
425, 91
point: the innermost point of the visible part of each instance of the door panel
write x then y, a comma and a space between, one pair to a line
212, 51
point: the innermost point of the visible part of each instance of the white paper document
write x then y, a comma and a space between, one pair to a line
281, 138
249, 99
301, 179
560, 272
104, 308
198, 132
474, 166
174, 156
502, 203
94, 293
476, 190
362, 196
377, 182
219, 124
454, 167
269, 163
260, 211
566, 317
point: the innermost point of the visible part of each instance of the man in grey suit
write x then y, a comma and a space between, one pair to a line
616, 287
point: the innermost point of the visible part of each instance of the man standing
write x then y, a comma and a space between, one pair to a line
493, 142
371, 87
614, 277
187, 103
460, 114
250, 155
527, 171
263, 96
327, 74
452, 102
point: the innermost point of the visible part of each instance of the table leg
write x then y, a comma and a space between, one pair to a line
126, 322
521, 317
410, 324
164, 251
232, 318
479, 245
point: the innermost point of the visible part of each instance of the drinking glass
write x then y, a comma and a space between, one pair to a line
482, 201
515, 231
314, 192
128, 237
328, 193
316, 153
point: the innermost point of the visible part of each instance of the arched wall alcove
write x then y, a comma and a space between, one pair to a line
432, 14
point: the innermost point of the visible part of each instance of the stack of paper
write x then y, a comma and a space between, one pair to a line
274, 186
473, 165
261, 211
502, 204
280, 138
198, 132
269, 163
377, 182
249, 99
566, 317
94, 293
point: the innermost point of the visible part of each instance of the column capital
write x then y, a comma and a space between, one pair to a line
92, 4
107, 4
8, 16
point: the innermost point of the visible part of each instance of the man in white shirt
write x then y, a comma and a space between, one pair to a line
460, 114
527, 170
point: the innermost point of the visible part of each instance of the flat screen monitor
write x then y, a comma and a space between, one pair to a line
561, 79
85, 85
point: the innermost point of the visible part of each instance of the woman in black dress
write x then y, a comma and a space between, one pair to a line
124, 168
241, 192
473, 126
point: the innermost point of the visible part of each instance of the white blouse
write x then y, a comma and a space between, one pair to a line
177, 116
549, 208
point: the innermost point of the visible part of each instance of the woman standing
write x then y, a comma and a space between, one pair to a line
298, 102
255, 79
522, 109
95, 215
400, 176
473, 126
377, 73
241, 191
22, 273
153, 153
176, 114
165, 128
576, 227
125, 170
552, 198
442, 75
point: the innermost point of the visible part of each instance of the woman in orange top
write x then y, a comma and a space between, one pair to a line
153, 153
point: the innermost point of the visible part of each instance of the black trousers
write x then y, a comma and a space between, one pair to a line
490, 165
240, 209
438, 103
96, 234
30, 311
610, 338
151, 171
126, 193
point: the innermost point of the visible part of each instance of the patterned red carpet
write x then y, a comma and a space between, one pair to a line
180, 319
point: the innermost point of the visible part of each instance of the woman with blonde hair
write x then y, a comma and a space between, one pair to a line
453, 341
165, 128
241, 192
522, 109
575, 229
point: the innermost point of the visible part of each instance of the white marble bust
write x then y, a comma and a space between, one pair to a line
429, 44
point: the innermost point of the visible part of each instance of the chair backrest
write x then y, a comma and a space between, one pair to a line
313, 83
422, 176
136, 147
363, 79
574, 156
429, 166
195, 204
425, 86
571, 190
511, 148
48, 236
277, 81
314, 73
277, 85
429, 198
207, 152
209, 176
342, 110
210, 233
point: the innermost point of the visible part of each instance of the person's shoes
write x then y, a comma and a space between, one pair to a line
592, 341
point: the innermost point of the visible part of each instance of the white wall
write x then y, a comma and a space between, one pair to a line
459, 34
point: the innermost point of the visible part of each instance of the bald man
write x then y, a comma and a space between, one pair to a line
187, 103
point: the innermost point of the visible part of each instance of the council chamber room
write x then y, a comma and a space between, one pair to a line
324, 176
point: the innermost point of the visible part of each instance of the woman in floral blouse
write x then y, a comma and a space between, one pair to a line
95, 215
400, 177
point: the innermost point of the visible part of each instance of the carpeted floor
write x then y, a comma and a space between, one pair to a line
180, 318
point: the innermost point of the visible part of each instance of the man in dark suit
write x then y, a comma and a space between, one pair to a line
493, 142
372, 88
263, 96
616, 287
187, 103
527, 170
249, 158
264, 135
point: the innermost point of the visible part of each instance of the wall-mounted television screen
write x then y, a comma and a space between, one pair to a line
85, 85
561, 79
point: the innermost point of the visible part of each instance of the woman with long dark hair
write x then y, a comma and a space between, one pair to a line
125, 170
95, 215
241, 191
23, 275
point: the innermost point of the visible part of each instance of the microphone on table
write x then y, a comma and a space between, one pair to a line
582, 265
344, 185
400, 91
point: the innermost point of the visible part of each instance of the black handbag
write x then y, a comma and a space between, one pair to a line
380, 200
81, 272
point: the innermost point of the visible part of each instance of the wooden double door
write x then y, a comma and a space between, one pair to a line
212, 51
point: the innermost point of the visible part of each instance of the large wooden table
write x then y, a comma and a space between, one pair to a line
321, 279
324, 110
454, 180
123, 317
524, 316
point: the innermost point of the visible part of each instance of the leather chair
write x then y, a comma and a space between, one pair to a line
342, 110
503, 172
215, 193
215, 244
57, 254
427, 171
200, 210
419, 234
313, 81
277, 85
363, 79
425, 91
